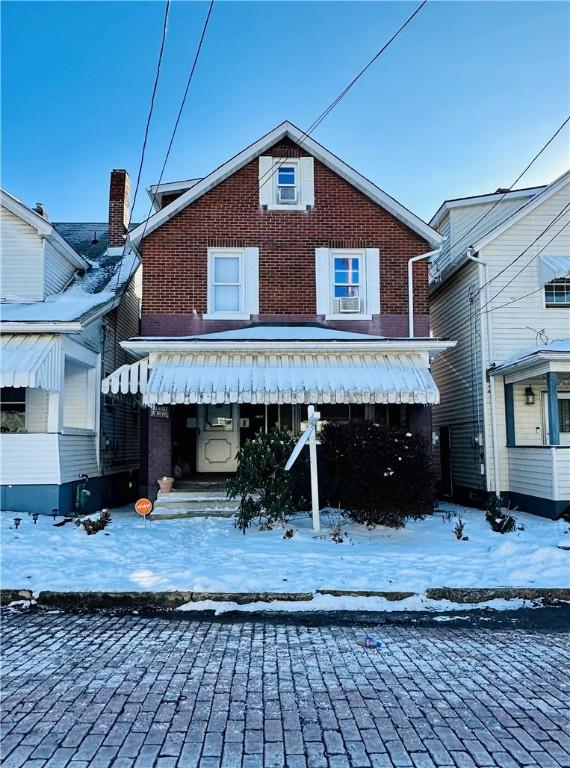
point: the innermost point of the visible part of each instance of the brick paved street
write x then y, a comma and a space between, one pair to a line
131, 691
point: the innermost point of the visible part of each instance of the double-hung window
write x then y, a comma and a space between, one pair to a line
347, 271
557, 292
226, 283
287, 184
233, 283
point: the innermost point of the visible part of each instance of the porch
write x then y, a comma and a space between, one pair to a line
537, 424
207, 395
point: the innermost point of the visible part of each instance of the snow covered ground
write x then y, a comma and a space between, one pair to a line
212, 555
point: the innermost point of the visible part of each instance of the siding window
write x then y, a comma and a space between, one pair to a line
287, 184
557, 293
12, 409
347, 272
233, 283
78, 395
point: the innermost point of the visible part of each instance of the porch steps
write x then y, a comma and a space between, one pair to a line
198, 503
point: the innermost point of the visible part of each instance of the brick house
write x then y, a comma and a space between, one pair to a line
277, 281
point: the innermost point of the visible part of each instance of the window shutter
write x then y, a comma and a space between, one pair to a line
307, 181
372, 281
323, 280
251, 281
266, 170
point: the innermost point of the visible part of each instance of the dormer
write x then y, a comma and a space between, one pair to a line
36, 262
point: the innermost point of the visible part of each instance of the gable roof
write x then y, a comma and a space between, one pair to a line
287, 129
43, 227
515, 217
487, 197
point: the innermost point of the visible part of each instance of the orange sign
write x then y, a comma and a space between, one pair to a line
143, 507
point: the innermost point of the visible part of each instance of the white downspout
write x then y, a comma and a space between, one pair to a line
489, 334
411, 261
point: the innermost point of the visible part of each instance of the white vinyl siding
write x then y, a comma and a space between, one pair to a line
37, 405
29, 459
457, 373
515, 326
77, 456
58, 271
78, 395
541, 472
21, 265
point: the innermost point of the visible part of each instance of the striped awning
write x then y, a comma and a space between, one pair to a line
30, 360
264, 377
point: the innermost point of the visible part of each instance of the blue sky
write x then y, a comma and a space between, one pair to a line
457, 105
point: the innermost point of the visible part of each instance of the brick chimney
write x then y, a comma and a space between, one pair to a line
119, 194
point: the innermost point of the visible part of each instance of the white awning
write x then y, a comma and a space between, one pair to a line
553, 267
30, 360
264, 377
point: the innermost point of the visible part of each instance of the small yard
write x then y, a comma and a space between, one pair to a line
212, 555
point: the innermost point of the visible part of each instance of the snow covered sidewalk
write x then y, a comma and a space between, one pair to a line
211, 555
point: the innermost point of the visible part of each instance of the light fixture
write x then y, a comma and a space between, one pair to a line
529, 396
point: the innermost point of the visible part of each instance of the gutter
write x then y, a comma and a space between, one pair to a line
486, 364
411, 263
39, 327
141, 348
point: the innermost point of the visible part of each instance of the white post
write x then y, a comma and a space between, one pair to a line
314, 470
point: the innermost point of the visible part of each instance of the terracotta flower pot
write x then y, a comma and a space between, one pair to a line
165, 484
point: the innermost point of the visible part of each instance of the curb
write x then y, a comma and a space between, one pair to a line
161, 601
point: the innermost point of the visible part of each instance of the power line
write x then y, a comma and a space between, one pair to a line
520, 255
506, 192
343, 93
181, 109
152, 98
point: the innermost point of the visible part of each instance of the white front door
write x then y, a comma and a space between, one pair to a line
218, 438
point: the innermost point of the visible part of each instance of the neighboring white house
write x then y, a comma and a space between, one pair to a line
501, 288
66, 302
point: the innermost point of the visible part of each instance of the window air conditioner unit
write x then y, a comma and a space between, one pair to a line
286, 195
349, 304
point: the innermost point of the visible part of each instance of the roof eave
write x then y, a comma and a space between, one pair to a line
287, 129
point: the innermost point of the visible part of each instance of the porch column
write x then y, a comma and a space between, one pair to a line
510, 414
552, 402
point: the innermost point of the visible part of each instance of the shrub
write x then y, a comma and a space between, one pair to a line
500, 519
267, 493
379, 475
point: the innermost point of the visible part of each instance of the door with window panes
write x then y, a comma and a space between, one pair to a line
218, 438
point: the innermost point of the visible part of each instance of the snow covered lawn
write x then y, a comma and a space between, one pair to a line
212, 555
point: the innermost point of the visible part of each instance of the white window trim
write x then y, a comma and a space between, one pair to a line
249, 284
304, 174
351, 253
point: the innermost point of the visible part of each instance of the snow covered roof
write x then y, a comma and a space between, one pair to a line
277, 332
30, 360
89, 239
556, 350
87, 295
266, 377
288, 130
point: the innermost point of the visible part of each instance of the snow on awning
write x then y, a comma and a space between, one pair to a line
30, 360
553, 267
266, 377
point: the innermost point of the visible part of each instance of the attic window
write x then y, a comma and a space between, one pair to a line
287, 184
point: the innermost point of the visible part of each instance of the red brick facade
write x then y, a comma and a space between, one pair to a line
175, 254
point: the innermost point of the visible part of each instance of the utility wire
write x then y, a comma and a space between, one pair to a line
506, 192
315, 124
151, 107
181, 109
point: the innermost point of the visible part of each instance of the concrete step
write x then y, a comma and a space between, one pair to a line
179, 504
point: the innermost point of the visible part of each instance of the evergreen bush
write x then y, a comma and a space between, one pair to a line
267, 492
379, 475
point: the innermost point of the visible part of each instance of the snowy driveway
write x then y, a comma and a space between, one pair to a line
132, 691
211, 555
